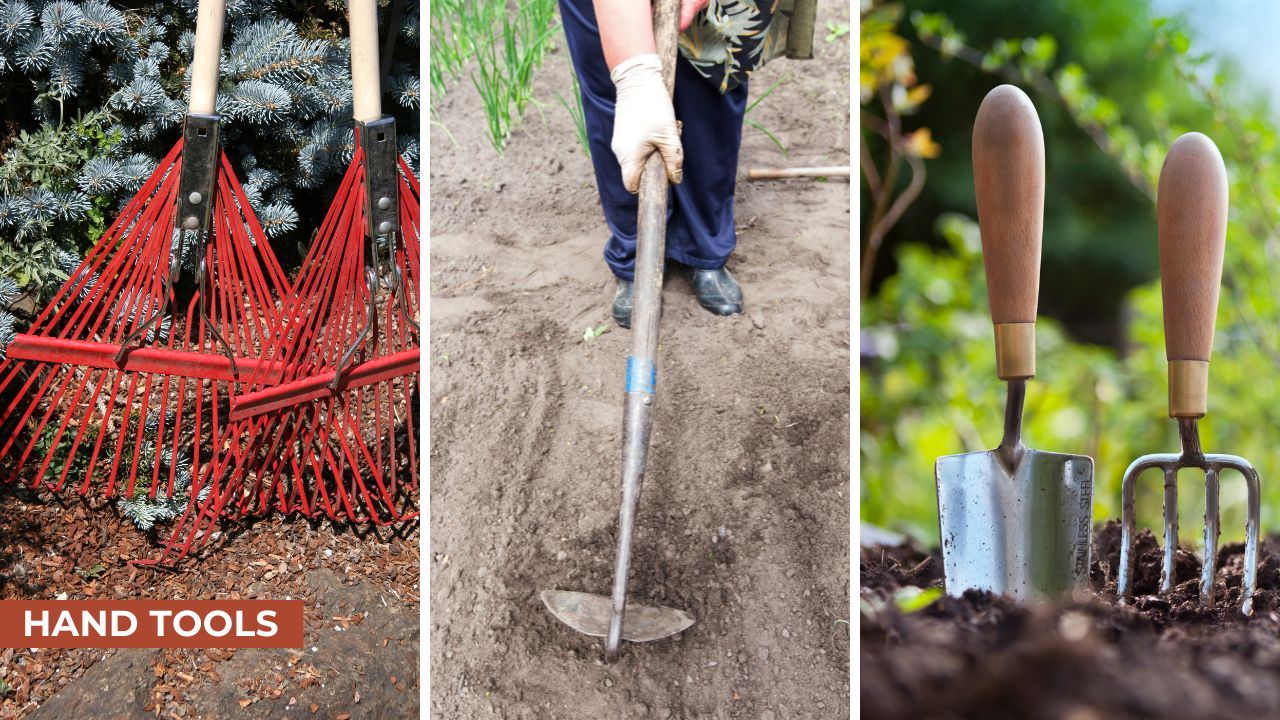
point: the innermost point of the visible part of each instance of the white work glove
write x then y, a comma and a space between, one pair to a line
644, 120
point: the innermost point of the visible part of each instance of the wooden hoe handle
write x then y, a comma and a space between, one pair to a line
651, 213
1191, 217
1008, 180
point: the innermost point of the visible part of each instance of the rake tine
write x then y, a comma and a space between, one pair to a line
370, 326
84, 427
97, 446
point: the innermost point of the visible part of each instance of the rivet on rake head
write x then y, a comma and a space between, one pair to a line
384, 203
191, 223
195, 198
384, 227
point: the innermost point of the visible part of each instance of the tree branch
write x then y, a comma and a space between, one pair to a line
891, 217
869, 166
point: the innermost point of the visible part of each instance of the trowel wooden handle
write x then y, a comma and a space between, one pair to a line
1008, 179
1191, 215
366, 80
207, 55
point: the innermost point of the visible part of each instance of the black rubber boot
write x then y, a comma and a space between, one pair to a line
622, 304
716, 290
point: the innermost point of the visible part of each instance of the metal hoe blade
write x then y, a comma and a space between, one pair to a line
590, 614
1015, 521
1212, 465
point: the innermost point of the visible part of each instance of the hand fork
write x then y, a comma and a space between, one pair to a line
1191, 216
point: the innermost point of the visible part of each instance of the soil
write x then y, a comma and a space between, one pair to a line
1085, 658
360, 655
744, 520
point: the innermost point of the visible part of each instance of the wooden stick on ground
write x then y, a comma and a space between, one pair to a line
800, 172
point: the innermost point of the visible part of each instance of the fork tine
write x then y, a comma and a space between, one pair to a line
1210, 534
1170, 528
1215, 464
1250, 535
1128, 493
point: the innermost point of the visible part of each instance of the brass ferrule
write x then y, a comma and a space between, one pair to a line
1015, 351
1188, 388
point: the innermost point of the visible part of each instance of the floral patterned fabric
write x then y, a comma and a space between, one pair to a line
731, 38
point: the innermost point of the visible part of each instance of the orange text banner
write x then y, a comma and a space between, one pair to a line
151, 623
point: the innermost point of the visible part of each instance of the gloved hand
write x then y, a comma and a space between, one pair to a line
644, 120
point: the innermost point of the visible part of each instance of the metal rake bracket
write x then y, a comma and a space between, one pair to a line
199, 172
197, 186
377, 139
378, 143
1212, 465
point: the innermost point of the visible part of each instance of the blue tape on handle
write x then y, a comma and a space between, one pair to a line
642, 375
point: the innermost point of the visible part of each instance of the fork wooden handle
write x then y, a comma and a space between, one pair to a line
1191, 215
1008, 180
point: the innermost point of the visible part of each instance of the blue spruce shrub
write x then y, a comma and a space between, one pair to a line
96, 92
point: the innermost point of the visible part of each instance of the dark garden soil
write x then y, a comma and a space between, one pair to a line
980, 656
360, 656
744, 517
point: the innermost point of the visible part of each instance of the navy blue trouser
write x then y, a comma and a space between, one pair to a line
700, 226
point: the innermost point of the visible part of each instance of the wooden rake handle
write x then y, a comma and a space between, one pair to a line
208, 53
1008, 180
1191, 217
366, 78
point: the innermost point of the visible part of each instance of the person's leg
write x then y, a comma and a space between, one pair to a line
701, 232
583, 39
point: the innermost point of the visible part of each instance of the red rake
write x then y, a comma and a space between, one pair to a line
328, 427
300, 445
105, 364
107, 387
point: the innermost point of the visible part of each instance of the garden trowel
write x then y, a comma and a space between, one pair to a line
1014, 521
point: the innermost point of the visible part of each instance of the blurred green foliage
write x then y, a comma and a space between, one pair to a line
1114, 87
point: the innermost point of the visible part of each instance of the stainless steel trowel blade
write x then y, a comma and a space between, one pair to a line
1025, 534
589, 613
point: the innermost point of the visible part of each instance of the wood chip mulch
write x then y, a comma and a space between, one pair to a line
72, 548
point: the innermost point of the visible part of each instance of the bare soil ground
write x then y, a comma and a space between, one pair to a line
744, 517
360, 655
1087, 658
